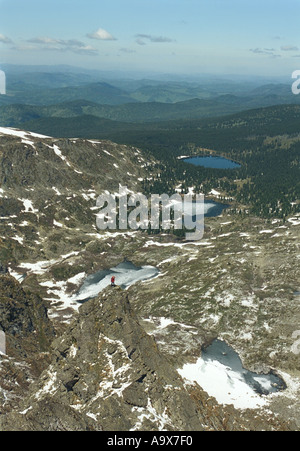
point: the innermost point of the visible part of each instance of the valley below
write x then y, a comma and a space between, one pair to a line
115, 361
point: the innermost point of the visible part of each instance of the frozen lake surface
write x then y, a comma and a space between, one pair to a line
126, 274
213, 209
219, 371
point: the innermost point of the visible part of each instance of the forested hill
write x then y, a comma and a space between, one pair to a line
265, 141
104, 101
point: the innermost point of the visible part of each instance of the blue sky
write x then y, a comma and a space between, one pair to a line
180, 36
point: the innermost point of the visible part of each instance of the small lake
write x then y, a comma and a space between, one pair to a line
212, 162
219, 371
213, 209
126, 274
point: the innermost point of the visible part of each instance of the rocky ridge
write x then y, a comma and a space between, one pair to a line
237, 284
49, 188
107, 374
28, 336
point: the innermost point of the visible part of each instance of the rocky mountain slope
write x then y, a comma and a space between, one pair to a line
107, 374
49, 187
113, 363
28, 333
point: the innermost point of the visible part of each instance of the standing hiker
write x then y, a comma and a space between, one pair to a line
112, 281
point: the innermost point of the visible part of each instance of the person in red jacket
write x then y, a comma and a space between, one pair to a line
112, 281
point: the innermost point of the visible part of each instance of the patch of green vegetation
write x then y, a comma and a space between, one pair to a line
66, 271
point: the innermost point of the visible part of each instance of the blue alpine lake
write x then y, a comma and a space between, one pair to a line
212, 162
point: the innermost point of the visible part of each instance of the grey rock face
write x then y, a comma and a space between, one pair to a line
23, 318
28, 335
107, 374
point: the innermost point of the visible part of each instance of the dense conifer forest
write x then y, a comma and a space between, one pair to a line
266, 142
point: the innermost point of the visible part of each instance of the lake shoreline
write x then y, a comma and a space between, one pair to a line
211, 161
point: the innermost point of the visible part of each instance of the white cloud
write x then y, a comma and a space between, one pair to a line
289, 48
23, 48
5, 39
262, 51
44, 40
125, 50
269, 52
140, 41
141, 38
101, 35
61, 45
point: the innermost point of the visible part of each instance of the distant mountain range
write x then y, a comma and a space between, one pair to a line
51, 85
92, 100
52, 100
38, 95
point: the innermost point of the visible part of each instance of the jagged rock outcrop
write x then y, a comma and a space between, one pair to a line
107, 374
24, 319
28, 336
49, 188
3, 269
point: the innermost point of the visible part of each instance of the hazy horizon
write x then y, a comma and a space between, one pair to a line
220, 37
168, 77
